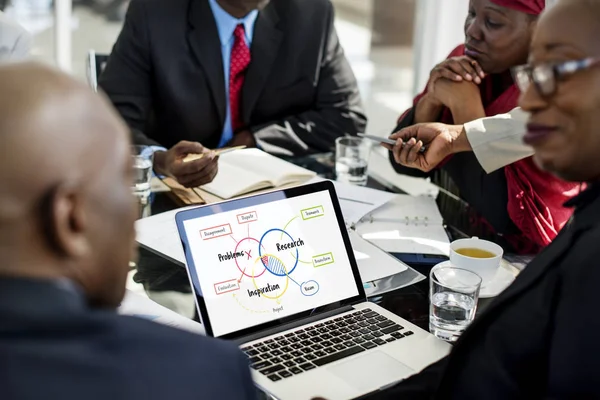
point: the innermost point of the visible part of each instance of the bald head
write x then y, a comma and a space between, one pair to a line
65, 180
52, 128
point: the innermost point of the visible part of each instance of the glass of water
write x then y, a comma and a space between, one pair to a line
143, 158
453, 296
351, 160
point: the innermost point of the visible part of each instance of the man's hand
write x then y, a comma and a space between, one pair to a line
441, 141
189, 174
242, 138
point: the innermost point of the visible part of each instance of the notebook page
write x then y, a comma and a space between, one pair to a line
268, 167
233, 180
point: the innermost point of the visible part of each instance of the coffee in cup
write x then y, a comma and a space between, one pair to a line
476, 255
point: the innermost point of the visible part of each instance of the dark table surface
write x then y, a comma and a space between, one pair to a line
159, 274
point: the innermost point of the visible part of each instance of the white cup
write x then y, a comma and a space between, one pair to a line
486, 268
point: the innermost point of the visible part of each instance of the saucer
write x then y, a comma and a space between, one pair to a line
493, 288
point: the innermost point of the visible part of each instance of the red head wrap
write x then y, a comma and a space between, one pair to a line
534, 7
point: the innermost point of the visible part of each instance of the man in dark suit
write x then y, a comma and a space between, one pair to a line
267, 73
66, 238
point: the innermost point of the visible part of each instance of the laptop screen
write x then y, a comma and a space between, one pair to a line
267, 258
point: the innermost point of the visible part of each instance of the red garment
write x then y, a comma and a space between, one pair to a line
534, 7
535, 197
240, 59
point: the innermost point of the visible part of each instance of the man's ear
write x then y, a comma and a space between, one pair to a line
65, 222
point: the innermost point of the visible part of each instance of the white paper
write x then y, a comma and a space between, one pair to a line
358, 201
157, 186
407, 225
374, 263
139, 306
159, 233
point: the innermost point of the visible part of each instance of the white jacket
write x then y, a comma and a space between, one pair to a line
498, 141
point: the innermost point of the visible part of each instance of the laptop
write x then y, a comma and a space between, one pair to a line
276, 274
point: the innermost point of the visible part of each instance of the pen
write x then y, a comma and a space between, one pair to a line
218, 152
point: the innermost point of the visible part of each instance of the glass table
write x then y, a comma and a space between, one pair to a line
405, 294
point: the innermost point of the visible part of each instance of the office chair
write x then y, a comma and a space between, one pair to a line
95, 64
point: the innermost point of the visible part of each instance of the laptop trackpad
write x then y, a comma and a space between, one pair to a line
371, 371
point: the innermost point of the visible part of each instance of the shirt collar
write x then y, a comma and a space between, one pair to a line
226, 23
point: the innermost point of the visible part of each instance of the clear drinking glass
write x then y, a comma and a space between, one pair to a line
143, 158
351, 160
453, 296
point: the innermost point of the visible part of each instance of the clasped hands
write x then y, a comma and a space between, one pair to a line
452, 84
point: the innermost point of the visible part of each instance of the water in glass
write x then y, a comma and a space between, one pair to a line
451, 313
142, 174
351, 170
453, 301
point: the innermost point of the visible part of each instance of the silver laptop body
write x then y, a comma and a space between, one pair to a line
276, 273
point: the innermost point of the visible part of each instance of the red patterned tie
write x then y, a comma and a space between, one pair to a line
240, 59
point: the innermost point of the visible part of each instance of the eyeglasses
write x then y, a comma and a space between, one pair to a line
545, 76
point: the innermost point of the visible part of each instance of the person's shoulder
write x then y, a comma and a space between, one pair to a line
295, 8
176, 361
158, 7
138, 334
308, 3
583, 256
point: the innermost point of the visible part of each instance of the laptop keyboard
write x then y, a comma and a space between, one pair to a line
315, 346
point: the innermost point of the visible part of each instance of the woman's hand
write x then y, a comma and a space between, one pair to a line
457, 69
441, 141
462, 98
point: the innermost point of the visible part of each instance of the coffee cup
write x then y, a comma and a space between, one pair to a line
476, 255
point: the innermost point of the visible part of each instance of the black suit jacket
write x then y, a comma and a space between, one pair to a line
539, 339
52, 346
165, 76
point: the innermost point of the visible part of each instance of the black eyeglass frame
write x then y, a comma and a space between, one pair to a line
545, 76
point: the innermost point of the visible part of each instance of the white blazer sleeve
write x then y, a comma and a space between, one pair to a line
498, 141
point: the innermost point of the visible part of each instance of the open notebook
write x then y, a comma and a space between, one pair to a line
249, 170
407, 224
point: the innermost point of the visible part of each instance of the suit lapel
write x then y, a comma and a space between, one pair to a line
204, 40
265, 45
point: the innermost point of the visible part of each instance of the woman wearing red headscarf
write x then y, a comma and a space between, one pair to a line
520, 204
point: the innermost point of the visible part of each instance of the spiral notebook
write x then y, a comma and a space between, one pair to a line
407, 224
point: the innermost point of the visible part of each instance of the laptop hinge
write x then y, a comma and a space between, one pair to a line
292, 325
